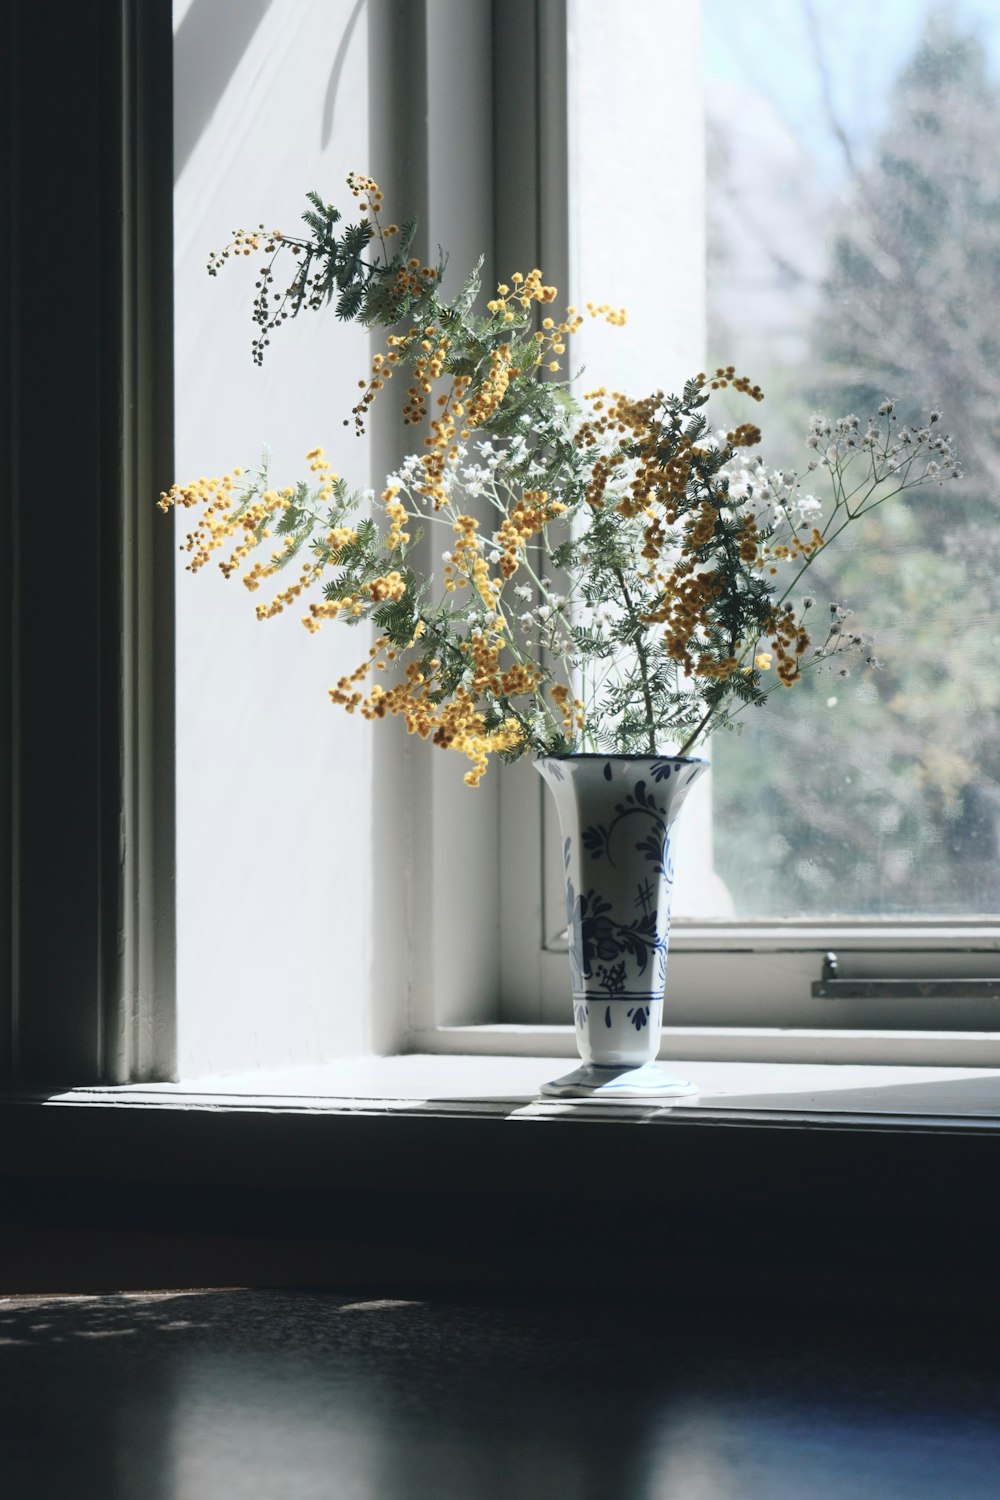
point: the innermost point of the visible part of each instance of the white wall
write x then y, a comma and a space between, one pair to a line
274, 784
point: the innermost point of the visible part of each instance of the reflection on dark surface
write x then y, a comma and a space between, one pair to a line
288, 1395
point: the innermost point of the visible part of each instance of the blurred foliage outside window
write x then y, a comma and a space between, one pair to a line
854, 254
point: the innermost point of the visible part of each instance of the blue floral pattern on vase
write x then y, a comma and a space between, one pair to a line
596, 939
615, 815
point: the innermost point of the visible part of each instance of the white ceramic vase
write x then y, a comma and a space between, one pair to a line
615, 815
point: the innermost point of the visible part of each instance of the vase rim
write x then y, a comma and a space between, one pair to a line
684, 760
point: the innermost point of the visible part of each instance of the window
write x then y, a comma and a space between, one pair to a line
815, 201
371, 847
849, 270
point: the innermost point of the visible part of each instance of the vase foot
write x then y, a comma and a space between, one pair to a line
649, 1081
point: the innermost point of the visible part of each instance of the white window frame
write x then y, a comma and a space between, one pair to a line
734, 988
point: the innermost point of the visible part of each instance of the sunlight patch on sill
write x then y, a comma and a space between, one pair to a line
508, 1087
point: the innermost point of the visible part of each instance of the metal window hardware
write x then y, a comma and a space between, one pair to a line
832, 987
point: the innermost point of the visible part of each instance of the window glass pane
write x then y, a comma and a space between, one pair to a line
853, 216
814, 196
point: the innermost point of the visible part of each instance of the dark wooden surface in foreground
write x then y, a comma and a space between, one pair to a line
416, 1396
463, 1308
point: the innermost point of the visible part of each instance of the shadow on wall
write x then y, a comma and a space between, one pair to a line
208, 45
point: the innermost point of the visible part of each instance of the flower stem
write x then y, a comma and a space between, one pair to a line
695, 733
640, 651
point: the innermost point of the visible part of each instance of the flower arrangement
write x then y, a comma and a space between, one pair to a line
616, 575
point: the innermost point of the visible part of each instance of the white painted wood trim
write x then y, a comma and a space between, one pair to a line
953, 1049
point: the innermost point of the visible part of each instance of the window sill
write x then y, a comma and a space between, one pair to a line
507, 1087
783, 1180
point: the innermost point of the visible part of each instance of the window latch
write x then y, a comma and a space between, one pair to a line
830, 986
